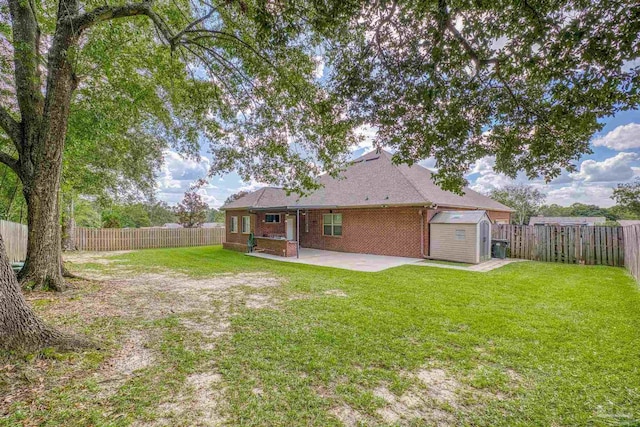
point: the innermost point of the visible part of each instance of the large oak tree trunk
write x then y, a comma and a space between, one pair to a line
42, 169
43, 269
20, 328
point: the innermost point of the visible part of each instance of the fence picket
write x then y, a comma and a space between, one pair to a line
105, 239
571, 244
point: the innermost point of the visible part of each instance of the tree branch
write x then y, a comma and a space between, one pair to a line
26, 37
10, 126
468, 48
106, 13
10, 162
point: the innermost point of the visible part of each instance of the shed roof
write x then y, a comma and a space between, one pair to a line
370, 180
458, 217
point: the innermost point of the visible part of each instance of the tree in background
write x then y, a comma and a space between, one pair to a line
192, 211
160, 213
524, 199
579, 209
627, 196
215, 215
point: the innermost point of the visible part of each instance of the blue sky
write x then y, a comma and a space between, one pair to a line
615, 159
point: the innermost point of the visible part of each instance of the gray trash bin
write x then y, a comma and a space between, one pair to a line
499, 248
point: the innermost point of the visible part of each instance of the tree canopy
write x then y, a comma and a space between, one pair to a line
628, 197
525, 81
524, 199
192, 211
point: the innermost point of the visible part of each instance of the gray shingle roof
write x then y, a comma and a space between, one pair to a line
371, 180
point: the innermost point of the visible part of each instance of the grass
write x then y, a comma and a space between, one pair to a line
527, 344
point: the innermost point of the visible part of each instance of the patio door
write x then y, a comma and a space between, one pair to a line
291, 227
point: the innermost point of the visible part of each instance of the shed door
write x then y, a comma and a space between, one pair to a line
485, 241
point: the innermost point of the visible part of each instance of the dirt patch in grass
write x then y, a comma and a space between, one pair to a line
200, 401
335, 293
435, 398
256, 301
348, 416
103, 258
126, 305
133, 356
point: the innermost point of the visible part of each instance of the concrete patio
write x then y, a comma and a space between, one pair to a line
483, 267
372, 263
345, 260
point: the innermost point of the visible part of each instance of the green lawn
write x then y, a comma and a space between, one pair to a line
526, 344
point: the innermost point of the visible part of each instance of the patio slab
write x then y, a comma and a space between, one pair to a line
344, 260
481, 268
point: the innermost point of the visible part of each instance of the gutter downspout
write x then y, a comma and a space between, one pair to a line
422, 233
297, 233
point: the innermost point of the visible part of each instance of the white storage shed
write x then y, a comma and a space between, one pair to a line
461, 236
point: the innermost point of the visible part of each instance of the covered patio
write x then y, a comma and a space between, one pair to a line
344, 260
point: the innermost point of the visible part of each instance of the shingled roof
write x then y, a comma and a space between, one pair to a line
370, 180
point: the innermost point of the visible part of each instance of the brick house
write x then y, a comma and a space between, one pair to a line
375, 207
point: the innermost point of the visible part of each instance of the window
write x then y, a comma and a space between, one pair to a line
461, 235
246, 224
234, 224
332, 224
274, 218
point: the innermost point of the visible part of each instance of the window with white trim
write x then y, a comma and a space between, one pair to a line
246, 224
272, 218
332, 224
233, 227
461, 235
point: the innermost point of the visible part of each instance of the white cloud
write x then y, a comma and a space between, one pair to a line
488, 179
252, 185
319, 71
368, 134
483, 165
178, 174
592, 184
580, 193
630, 65
491, 181
625, 137
613, 169
429, 163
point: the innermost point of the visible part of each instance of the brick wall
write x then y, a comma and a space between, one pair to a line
239, 237
393, 231
277, 247
496, 216
265, 229
380, 231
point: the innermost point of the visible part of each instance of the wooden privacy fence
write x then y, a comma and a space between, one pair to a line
566, 244
117, 239
632, 249
15, 240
